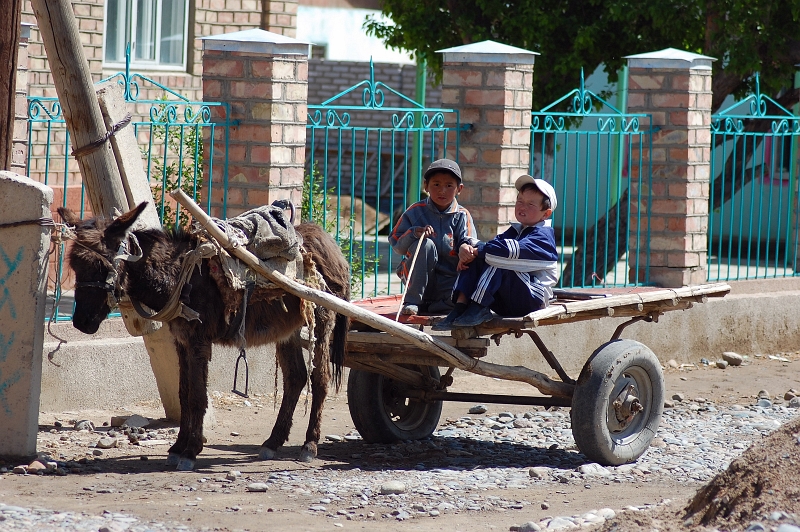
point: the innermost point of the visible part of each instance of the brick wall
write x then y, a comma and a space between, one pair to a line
213, 17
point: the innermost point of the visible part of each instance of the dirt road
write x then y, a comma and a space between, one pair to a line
491, 471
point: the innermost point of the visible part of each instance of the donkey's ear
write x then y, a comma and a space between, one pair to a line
67, 216
120, 227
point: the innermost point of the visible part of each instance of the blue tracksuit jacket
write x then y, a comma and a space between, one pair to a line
515, 272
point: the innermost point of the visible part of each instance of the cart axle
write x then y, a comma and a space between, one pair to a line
489, 398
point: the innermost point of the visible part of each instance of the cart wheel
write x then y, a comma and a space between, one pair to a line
618, 401
380, 412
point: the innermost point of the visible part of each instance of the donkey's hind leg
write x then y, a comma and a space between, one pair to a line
193, 366
320, 377
290, 359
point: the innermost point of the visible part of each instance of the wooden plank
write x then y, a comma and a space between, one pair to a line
387, 339
386, 349
126, 152
10, 21
413, 356
73, 81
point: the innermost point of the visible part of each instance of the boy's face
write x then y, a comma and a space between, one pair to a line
528, 209
442, 187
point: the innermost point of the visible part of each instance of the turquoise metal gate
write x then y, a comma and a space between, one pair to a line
592, 153
364, 166
753, 230
173, 133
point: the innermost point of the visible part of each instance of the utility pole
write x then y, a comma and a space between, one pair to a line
10, 18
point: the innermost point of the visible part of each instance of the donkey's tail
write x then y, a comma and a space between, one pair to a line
339, 348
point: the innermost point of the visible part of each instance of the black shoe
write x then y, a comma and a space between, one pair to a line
474, 315
447, 323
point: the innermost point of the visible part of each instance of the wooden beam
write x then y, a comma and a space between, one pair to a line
76, 95
10, 20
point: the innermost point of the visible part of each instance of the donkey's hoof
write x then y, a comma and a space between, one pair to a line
265, 453
185, 464
307, 456
173, 459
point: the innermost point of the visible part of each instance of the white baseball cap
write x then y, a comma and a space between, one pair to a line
543, 186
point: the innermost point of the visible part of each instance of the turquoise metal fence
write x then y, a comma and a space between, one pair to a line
591, 152
363, 167
753, 232
172, 132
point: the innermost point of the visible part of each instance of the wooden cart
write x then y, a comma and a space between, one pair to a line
396, 389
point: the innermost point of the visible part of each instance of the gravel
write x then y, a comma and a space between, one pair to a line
428, 478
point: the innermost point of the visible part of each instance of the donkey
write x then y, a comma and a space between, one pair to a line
271, 316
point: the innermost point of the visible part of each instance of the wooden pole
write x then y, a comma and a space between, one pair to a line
10, 19
449, 354
76, 94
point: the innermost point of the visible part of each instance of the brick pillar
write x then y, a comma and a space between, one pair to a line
264, 78
491, 85
19, 153
279, 17
675, 88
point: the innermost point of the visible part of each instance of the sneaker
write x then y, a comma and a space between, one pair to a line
474, 315
447, 323
410, 310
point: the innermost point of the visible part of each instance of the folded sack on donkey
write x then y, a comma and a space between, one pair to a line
196, 288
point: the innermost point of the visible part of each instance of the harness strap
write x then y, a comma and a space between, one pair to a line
174, 307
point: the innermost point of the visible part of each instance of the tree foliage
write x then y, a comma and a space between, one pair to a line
745, 36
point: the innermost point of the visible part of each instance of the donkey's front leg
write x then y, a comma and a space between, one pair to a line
193, 363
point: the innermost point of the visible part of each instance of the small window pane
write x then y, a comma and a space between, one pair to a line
116, 26
172, 39
145, 30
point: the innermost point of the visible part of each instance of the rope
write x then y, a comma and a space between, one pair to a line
46, 222
92, 146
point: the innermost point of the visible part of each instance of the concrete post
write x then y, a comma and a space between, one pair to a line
264, 78
491, 85
675, 88
23, 294
19, 153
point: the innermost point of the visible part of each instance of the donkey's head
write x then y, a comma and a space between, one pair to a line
92, 260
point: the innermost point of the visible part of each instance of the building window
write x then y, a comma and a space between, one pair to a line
155, 29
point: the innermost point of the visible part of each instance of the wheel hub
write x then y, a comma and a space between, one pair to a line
626, 406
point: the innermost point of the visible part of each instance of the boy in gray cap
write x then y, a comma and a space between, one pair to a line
512, 274
449, 236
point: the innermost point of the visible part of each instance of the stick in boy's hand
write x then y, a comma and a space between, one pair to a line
426, 231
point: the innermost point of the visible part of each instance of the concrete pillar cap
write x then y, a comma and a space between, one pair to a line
670, 58
255, 41
488, 52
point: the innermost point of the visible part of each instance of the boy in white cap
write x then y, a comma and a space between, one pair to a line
449, 234
512, 274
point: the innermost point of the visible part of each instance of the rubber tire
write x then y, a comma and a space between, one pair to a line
612, 367
379, 418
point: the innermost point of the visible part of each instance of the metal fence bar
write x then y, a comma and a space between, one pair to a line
749, 166
582, 141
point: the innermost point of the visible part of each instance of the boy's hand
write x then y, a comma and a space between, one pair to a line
466, 254
427, 231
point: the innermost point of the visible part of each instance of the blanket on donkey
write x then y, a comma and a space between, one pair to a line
266, 233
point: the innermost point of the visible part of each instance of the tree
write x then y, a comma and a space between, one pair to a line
746, 36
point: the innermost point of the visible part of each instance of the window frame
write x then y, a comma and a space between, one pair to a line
130, 38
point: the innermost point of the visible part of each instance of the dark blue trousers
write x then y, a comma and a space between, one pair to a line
506, 292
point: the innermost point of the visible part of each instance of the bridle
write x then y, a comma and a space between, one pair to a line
129, 251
